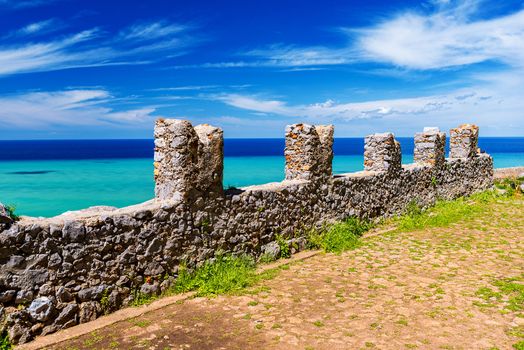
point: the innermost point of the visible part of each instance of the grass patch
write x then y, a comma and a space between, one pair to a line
140, 298
513, 288
447, 212
339, 237
226, 274
519, 345
94, 339
508, 290
510, 185
319, 323
141, 323
285, 252
5, 343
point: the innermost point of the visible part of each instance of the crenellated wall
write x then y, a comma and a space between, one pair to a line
72, 268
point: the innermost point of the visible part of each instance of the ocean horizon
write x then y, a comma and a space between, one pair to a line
49, 177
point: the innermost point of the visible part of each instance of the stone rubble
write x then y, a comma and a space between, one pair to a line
71, 269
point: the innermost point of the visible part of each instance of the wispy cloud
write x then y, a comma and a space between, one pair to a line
152, 31
36, 27
93, 47
48, 110
292, 56
449, 34
447, 38
495, 103
284, 56
331, 110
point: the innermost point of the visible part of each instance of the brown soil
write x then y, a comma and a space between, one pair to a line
414, 290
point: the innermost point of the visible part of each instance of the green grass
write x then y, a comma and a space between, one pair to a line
140, 323
5, 344
225, 274
445, 213
513, 288
519, 345
140, 299
339, 237
510, 185
285, 252
509, 290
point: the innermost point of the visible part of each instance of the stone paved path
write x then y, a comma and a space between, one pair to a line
413, 290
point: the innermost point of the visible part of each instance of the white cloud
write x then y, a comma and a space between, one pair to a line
285, 56
37, 28
91, 48
292, 56
495, 104
450, 34
45, 110
331, 110
151, 31
443, 39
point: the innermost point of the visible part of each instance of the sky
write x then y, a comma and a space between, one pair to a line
72, 69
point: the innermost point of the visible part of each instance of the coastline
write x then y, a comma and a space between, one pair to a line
502, 173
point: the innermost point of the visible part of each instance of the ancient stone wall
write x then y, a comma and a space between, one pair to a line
70, 269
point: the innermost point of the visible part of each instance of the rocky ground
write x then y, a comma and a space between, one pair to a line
441, 288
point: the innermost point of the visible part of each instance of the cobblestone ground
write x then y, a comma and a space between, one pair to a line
429, 289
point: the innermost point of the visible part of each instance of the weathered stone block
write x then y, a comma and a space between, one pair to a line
326, 135
430, 147
210, 158
463, 141
382, 153
188, 161
176, 151
41, 309
309, 151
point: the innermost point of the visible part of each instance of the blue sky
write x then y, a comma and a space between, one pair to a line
106, 69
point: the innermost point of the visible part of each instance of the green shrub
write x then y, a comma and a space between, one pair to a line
11, 212
285, 252
339, 237
140, 298
5, 344
225, 274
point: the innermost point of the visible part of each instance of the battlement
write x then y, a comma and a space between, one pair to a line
66, 265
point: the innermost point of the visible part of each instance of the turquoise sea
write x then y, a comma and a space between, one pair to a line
48, 187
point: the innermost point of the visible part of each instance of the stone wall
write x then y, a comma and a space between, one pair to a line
70, 269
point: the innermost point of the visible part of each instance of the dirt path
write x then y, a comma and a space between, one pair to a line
420, 290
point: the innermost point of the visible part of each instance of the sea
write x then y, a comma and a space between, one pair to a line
47, 178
